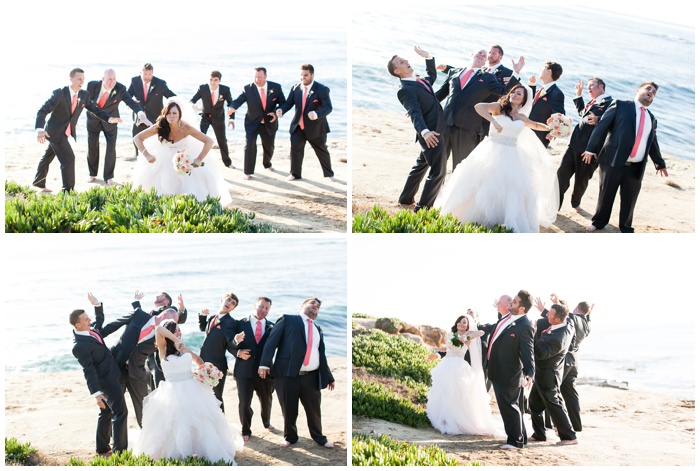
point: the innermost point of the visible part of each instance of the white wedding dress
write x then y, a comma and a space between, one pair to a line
508, 179
203, 181
182, 417
458, 403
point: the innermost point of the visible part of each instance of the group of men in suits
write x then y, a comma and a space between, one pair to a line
146, 96
518, 356
299, 372
620, 143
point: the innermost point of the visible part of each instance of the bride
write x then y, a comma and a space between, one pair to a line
509, 178
458, 403
159, 143
182, 417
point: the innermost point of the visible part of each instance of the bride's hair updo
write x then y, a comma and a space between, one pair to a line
504, 101
170, 349
459, 319
163, 124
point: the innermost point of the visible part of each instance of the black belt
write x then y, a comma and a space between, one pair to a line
629, 164
302, 373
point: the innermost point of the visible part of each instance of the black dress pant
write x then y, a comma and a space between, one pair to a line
251, 149
62, 150
137, 385
220, 133
435, 160
112, 421
318, 143
304, 389
628, 180
93, 157
572, 165
570, 395
460, 143
511, 404
263, 388
545, 396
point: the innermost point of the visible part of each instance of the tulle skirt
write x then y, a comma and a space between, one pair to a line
183, 418
498, 184
458, 403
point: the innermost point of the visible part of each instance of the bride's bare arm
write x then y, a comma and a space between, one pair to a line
487, 111
534, 125
195, 357
161, 334
197, 134
142, 136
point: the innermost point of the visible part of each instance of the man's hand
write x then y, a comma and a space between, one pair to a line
204, 312
138, 295
180, 303
588, 157
331, 386
539, 304
518, 66
239, 337
313, 116
262, 372
114, 120
93, 300
441, 67
664, 172
431, 139
143, 119
591, 119
231, 111
41, 136
243, 354
554, 298
231, 124
579, 87
101, 401
421, 52
279, 113
533, 80
273, 117
528, 381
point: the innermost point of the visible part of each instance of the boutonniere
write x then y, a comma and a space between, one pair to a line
481, 72
221, 98
320, 331
150, 89
79, 100
270, 92
511, 324
311, 92
114, 92
218, 321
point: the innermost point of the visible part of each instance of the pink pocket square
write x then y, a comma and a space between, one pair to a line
544, 98
315, 101
218, 327
274, 99
481, 80
512, 335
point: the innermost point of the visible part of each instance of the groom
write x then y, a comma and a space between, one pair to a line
511, 366
213, 96
148, 91
220, 337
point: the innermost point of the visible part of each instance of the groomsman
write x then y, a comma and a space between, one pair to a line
417, 96
572, 162
213, 97
300, 370
550, 349
102, 376
107, 93
248, 353
149, 92
65, 106
464, 88
549, 99
312, 102
622, 140
263, 98
511, 367
220, 337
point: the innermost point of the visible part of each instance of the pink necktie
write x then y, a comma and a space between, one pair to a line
263, 99
539, 92
97, 337
73, 102
303, 105
640, 132
423, 82
258, 332
488, 70
145, 91
212, 323
309, 342
547, 330
465, 78
493, 337
103, 100
213, 99
588, 106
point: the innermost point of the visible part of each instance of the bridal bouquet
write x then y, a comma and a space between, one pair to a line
208, 374
560, 125
183, 162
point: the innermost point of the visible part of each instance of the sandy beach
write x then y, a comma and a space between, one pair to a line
312, 204
384, 152
55, 412
620, 428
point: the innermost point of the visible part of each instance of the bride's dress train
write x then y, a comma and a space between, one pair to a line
182, 418
458, 403
508, 179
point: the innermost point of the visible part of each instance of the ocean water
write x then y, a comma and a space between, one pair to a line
184, 65
50, 278
623, 51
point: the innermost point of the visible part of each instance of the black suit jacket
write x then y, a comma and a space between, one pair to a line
550, 103
550, 353
613, 138
126, 347
318, 99
421, 104
59, 106
157, 91
218, 340
99, 367
582, 132
459, 107
512, 353
111, 107
256, 114
580, 328
214, 112
249, 368
288, 338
